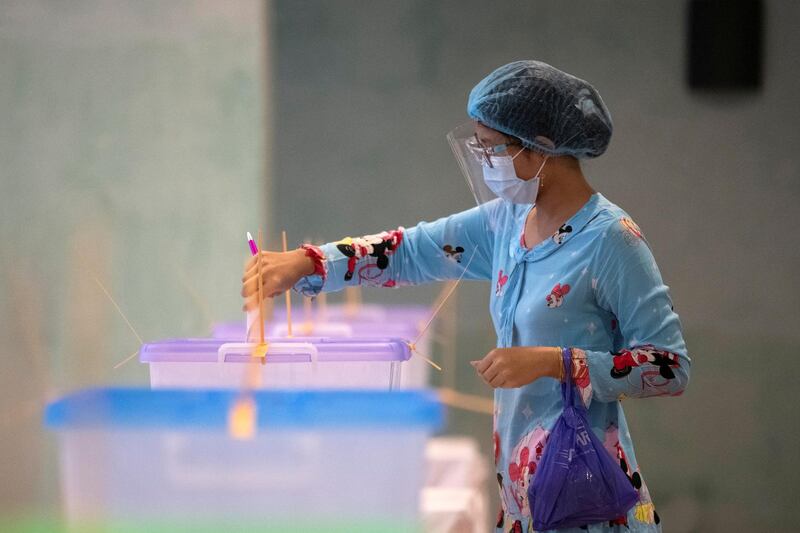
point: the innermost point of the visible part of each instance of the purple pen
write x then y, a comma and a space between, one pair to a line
252, 243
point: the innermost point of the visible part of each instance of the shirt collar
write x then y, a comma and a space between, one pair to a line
568, 230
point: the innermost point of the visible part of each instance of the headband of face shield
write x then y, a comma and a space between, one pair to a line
489, 170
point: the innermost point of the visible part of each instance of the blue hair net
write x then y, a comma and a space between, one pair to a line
550, 111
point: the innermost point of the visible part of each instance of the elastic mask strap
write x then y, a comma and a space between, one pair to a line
541, 167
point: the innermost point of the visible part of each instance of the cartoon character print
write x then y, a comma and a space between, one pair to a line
500, 518
632, 234
625, 360
496, 446
580, 375
502, 279
380, 246
525, 458
646, 513
644, 510
619, 521
501, 513
556, 296
453, 253
613, 447
631, 226
561, 233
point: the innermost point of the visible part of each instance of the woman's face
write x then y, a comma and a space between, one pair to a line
525, 165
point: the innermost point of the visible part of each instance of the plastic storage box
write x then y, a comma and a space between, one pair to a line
161, 460
454, 510
454, 497
299, 362
366, 321
455, 462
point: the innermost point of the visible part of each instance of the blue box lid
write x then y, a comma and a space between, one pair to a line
208, 409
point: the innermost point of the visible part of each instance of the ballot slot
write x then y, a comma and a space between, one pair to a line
283, 351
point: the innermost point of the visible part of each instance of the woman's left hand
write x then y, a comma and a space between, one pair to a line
517, 366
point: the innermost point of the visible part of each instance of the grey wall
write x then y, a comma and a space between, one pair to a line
365, 92
131, 149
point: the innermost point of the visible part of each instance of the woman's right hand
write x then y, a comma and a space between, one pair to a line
279, 273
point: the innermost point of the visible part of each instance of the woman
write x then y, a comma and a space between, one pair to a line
569, 269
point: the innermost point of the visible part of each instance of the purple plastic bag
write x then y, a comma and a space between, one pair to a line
577, 481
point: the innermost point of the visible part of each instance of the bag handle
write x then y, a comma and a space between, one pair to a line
568, 392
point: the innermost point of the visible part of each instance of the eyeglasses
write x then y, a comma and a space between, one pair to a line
484, 154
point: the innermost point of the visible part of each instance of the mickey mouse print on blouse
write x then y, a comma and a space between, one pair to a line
453, 252
561, 233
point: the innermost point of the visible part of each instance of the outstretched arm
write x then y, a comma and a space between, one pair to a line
460, 244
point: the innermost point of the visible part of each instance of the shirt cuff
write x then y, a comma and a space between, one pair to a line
312, 284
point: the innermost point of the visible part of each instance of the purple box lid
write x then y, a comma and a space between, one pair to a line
327, 349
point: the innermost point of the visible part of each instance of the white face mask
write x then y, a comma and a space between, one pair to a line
503, 181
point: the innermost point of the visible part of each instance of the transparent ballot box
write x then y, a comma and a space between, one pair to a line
162, 460
290, 363
364, 321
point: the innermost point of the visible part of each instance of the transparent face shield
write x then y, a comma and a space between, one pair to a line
473, 156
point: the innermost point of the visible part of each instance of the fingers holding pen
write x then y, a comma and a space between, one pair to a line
279, 272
